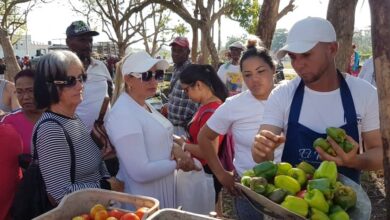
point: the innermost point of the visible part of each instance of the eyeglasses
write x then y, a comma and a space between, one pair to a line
158, 75
71, 80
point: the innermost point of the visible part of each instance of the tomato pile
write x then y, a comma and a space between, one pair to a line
99, 212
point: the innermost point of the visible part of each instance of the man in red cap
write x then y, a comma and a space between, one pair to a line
180, 107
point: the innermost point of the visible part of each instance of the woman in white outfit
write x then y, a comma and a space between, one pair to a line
142, 136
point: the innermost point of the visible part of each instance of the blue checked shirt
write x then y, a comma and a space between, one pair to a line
180, 107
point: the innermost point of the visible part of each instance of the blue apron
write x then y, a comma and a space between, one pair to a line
299, 138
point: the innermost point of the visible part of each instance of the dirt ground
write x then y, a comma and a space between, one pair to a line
372, 183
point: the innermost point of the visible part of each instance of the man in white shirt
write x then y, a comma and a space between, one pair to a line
99, 82
230, 73
319, 98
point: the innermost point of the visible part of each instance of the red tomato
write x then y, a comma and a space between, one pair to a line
115, 213
141, 212
86, 217
130, 216
301, 193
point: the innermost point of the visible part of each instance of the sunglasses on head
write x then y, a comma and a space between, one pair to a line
158, 75
71, 80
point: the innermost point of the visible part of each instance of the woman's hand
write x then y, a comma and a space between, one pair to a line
116, 185
227, 180
179, 140
183, 159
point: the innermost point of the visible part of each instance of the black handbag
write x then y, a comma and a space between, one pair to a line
31, 199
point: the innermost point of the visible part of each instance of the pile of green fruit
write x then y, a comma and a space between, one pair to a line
337, 134
311, 193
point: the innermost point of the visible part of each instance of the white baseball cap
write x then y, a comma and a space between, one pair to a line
305, 34
140, 62
237, 44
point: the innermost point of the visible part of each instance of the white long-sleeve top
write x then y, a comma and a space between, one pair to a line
143, 142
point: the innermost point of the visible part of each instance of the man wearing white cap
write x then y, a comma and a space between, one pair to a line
319, 98
230, 73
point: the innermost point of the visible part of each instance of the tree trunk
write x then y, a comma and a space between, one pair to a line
121, 49
341, 14
194, 49
203, 59
380, 21
211, 48
9, 56
268, 17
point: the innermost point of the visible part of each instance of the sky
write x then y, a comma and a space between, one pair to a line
48, 22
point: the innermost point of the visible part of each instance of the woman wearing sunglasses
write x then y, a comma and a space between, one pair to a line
142, 136
58, 88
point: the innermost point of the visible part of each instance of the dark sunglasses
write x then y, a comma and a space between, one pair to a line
71, 80
158, 75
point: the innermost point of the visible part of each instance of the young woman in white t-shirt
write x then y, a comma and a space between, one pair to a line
241, 114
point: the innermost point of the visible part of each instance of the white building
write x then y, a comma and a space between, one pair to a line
25, 47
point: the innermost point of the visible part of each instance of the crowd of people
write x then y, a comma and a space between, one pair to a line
52, 110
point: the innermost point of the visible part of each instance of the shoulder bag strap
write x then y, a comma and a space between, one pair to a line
70, 143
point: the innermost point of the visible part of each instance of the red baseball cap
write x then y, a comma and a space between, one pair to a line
181, 41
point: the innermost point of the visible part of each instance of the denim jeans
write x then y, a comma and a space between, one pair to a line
245, 211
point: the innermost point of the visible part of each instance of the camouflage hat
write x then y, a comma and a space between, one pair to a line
78, 28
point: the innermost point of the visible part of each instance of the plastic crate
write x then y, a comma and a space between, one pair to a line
176, 214
80, 202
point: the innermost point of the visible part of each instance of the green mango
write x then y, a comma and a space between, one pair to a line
307, 167
277, 195
283, 168
246, 181
318, 215
322, 143
266, 169
317, 200
339, 215
287, 183
347, 146
337, 134
322, 184
327, 169
249, 172
258, 184
345, 197
299, 175
297, 205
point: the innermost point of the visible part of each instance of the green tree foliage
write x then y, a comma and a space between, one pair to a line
279, 39
246, 13
362, 39
180, 30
